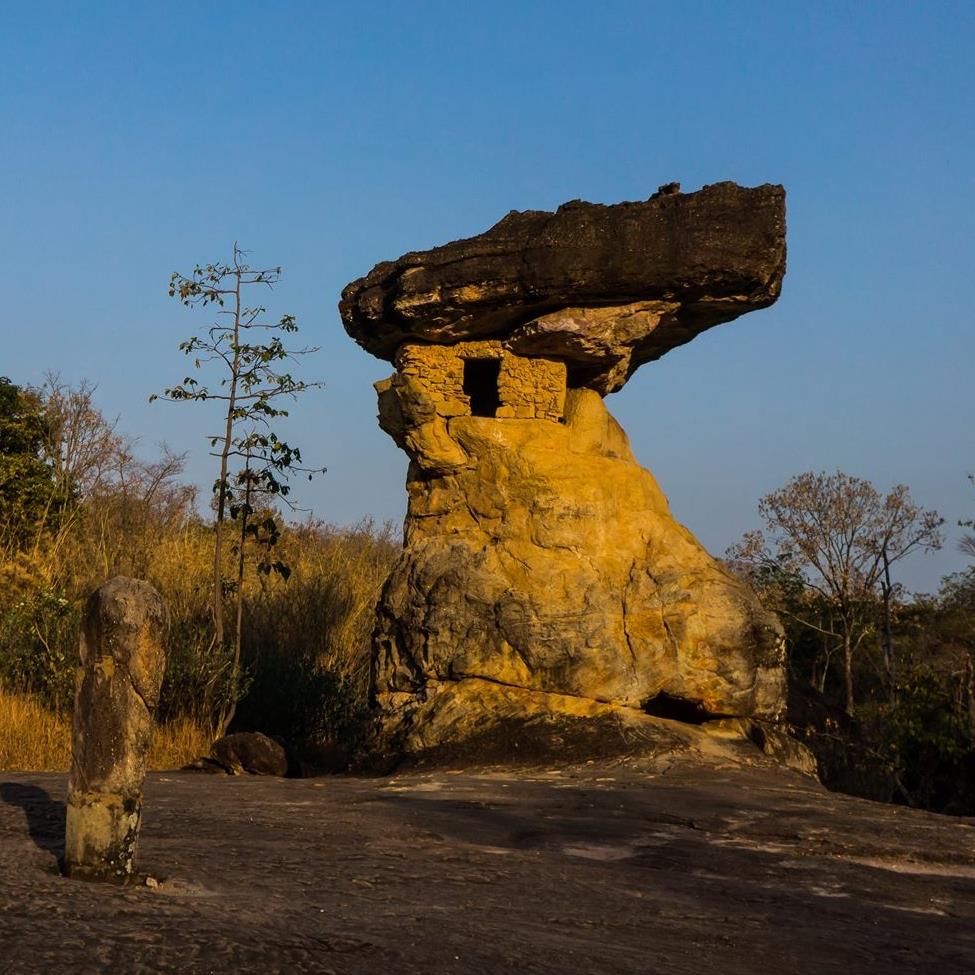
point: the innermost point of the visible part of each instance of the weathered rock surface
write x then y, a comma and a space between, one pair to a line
603, 288
477, 723
677, 867
540, 557
122, 665
545, 560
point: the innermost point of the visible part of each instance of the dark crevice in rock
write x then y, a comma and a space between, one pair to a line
481, 385
678, 709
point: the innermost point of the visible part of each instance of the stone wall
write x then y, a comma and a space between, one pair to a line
528, 388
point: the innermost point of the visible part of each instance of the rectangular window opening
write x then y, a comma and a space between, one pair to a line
481, 385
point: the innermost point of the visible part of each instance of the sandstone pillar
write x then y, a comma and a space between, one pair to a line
543, 573
118, 684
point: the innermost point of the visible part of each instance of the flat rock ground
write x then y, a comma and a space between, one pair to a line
610, 868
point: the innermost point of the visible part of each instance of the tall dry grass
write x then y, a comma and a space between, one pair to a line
34, 738
177, 743
306, 640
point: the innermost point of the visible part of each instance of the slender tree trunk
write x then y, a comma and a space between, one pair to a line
820, 684
969, 679
231, 709
228, 437
888, 639
848, 670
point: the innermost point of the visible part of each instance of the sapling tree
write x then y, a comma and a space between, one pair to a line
248, 355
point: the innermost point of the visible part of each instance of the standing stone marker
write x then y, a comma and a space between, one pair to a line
122, 664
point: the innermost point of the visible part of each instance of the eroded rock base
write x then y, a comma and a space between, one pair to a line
101, 834
540, 557
477, 722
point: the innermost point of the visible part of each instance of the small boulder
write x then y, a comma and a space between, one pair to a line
251, 752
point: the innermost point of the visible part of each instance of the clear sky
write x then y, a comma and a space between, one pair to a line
136, 139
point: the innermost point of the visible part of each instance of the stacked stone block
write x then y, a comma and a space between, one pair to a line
529, 388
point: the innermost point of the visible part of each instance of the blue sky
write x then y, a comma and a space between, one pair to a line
141, 138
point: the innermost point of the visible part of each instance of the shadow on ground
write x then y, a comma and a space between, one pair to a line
608, 868
44, 814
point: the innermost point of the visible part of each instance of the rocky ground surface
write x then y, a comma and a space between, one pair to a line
676, 867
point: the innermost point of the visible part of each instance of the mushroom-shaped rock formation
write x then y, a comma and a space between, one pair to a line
542, 571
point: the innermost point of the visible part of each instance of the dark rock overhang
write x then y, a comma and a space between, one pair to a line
688, 261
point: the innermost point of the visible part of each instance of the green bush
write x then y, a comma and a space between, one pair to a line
39, 639
925, 739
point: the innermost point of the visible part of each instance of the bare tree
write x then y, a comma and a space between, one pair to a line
82, 444
838, 537
137, 503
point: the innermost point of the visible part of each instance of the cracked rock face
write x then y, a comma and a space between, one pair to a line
546, 559
542, 570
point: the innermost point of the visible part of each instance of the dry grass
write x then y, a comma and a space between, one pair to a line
306, 640
176, 743
34, 739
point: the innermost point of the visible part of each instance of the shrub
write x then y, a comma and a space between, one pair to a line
39, 647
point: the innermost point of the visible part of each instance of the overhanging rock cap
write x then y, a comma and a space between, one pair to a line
604, 288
